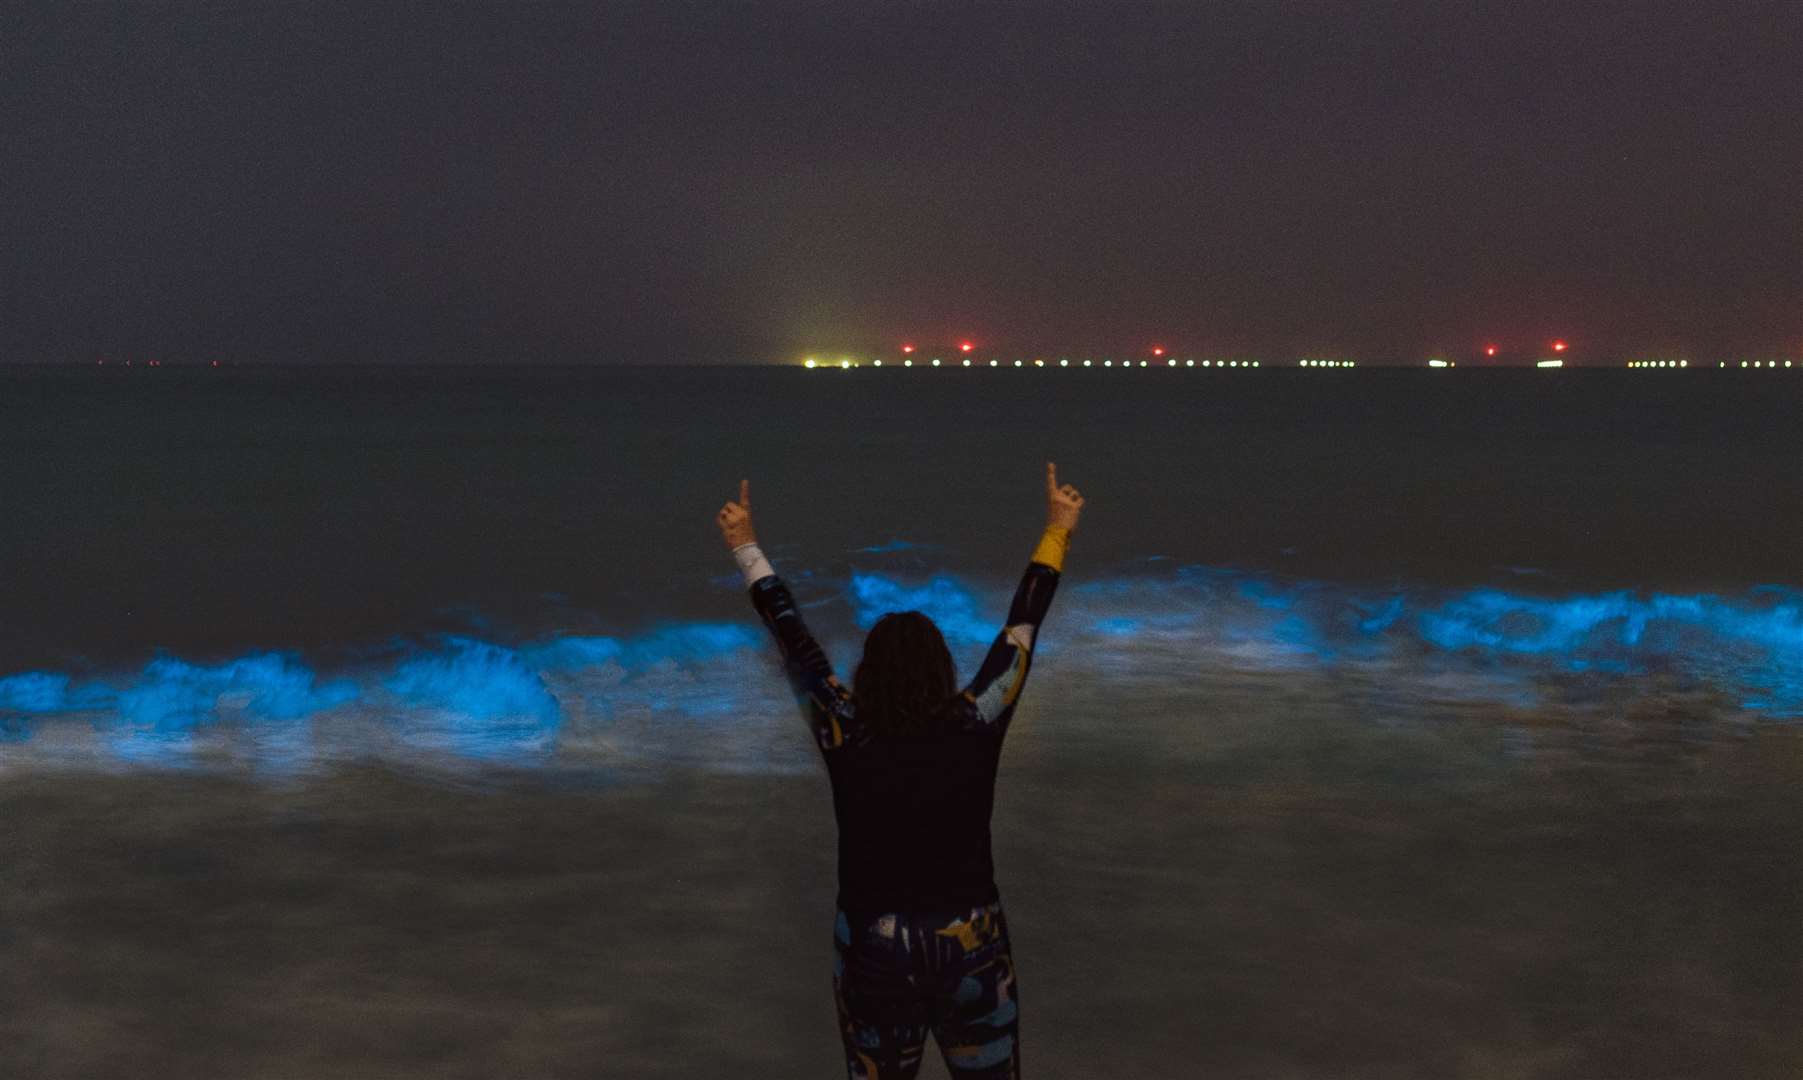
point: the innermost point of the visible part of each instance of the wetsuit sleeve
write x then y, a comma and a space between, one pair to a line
824, 701
999, 679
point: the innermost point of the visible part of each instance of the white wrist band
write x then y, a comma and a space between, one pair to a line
752, 562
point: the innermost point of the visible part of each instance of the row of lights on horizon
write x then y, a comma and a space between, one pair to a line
850, 363
1158, 352
148, 363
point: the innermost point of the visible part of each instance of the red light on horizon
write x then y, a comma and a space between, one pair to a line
965, 346
1559, 346
1489, 350
1157, 350
907, 348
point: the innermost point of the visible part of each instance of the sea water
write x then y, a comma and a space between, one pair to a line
1385, 722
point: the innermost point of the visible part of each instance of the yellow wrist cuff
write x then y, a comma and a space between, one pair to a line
1052, 545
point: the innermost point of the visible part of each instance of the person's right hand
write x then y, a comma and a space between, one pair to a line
1062, 504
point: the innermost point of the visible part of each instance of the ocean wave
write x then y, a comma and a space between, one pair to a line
711, 692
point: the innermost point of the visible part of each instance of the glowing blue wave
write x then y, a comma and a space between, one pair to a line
711, 692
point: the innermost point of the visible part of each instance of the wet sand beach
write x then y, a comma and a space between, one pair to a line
1256, 883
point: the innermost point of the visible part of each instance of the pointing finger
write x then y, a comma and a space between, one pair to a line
745, 494
1051, 478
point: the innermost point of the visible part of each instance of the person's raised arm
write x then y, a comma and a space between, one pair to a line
998, 681
824, 701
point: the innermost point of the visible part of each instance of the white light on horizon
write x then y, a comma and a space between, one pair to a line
1549, 363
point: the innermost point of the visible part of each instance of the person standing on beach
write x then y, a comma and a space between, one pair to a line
920, 938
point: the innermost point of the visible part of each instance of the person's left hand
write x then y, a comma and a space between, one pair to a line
734, 519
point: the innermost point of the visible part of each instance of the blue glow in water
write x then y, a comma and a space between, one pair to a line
1118, 627
941, 599
34, 692
670, 642
39, 693
720, 680
153, 719
486, 702
172, 693
893, 545
1375, 619
1266, 595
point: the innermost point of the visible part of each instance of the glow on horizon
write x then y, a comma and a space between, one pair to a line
1549, 363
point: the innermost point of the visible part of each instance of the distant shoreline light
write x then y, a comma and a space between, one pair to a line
848, 362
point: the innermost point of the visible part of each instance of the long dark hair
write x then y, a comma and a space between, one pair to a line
905, 684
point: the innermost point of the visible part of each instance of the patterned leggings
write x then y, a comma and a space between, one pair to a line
897, 976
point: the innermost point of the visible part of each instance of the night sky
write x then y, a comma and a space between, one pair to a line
714, 181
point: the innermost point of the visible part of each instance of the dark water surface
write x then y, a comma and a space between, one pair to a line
413, 723
209, 509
